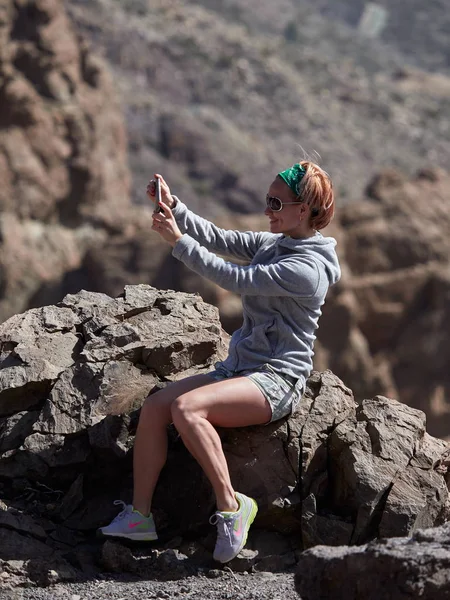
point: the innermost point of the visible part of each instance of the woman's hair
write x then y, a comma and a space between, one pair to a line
317, 193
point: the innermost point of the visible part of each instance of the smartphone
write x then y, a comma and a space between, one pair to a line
158, 196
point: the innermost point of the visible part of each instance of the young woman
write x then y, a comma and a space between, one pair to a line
262, 379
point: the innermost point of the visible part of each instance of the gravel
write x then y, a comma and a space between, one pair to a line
213, 585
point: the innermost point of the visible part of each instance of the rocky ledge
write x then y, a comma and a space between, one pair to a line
72, 380
392, 569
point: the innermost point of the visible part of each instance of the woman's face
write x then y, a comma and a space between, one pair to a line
289, 217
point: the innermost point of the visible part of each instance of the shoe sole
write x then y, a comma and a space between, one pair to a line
134, 537
250, 520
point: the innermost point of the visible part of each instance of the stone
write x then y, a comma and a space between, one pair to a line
335, 472
21, 523
276, 563
395, 568
371, 452
14, 429
62, 152
394, 296
72, 498
17, 546
244, 561
323, 528
116, 557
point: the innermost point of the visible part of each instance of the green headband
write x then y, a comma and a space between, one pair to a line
293, 177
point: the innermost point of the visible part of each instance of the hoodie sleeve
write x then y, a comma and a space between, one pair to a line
290, 276
238, 244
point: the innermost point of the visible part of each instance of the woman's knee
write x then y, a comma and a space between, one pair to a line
174, 401
182, 409
157, 407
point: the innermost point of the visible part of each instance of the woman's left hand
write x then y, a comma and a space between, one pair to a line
165, 225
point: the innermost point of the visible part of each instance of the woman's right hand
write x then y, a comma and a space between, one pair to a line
166, 196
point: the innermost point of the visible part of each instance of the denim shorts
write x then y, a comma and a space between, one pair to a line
282, 392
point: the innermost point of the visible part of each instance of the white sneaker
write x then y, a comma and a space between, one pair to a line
130, 524
232, 528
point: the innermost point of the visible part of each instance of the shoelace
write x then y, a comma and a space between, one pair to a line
123, 512
224, 527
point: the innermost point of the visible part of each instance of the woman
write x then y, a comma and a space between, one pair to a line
270, 356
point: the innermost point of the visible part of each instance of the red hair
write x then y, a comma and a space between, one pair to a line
317, 192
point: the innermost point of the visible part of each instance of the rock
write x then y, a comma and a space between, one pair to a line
394, 295
167, 565
214, 573
78, 417
14, 429
273, 551
276, 563
14, 545
324, 528
170, 565
244, 561
32, 572
394, 569
20, 523
62, 152
73, 498
267, 543
116, 557
334, 472
373, 455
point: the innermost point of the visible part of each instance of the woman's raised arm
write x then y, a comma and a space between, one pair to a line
233, 243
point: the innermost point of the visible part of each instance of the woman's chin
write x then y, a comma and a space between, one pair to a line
274, 228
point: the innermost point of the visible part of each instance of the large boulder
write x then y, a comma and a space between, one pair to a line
392, 569
73, 378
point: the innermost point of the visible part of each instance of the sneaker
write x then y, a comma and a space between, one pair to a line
232, 528
130, 524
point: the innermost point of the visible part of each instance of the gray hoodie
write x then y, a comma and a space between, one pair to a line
282, 289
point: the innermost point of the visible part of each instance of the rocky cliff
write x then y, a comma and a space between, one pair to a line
218, 99
64, 180
385, 326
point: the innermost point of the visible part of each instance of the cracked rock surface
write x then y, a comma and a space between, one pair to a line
392, 569
73, 379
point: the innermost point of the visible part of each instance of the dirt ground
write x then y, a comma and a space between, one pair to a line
213, 585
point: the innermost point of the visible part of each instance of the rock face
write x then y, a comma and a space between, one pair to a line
72, 380
198, 81
64, 179
384, 326
392, 569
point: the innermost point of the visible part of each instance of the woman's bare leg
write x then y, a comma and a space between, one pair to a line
236, 402
150, 447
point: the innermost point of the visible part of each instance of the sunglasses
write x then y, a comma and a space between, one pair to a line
275, 204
